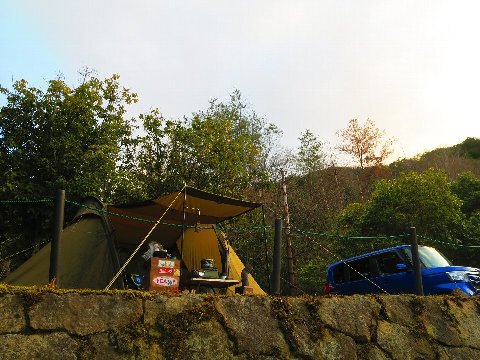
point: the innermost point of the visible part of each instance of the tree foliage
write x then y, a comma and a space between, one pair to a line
470, 147
365, 143
65, 137
221, 149
310, 156
423, 200
467, 188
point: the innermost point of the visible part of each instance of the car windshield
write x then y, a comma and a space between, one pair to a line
429, 257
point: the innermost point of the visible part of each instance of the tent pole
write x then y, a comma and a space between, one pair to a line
183, 226
266, 246
57, 233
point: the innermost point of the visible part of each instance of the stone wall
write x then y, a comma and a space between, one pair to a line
46, 324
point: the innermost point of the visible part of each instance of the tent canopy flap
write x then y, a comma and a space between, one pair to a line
133, 222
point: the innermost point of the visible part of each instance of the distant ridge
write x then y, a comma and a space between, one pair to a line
469, 149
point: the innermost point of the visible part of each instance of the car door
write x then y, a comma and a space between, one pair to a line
360, 272
390, 278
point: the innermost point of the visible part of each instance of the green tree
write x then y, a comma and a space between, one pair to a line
470, 147
467, 188
310, 157
63, 137
146, 159
423, 200
308, 188
472, 228
221, 149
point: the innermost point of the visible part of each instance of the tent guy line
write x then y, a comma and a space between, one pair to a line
24, 250
142, 242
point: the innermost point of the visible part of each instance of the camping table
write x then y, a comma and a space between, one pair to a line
210, 283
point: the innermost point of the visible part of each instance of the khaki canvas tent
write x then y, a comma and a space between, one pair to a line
101, 238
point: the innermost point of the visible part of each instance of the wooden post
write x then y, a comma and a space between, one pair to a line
57, 234
291, 274
417, 271
277, 258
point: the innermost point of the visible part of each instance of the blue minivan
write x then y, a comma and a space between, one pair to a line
390, 271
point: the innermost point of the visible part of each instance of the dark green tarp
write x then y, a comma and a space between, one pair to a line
86, 259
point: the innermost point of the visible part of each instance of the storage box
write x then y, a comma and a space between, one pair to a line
247, 290
164, 274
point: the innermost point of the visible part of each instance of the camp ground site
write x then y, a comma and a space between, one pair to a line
105, 247
172, 248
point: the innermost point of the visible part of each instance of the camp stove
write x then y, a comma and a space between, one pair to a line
208, 269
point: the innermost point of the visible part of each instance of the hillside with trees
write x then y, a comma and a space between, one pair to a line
81, 139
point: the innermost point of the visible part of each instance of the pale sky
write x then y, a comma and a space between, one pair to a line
413, 67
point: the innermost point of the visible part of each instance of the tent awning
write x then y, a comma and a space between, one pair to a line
132, 222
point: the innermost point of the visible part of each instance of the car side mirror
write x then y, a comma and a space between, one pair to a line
401, 267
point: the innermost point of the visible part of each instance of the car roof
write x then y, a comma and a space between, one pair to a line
369, 254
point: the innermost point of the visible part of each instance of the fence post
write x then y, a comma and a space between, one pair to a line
57, 233
266, 247
277, 258
417, 271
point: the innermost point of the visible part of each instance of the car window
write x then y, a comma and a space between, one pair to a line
429, 257
387, 262
339, 274
359, 269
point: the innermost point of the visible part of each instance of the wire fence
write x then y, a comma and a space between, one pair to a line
313, 250
308, 232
